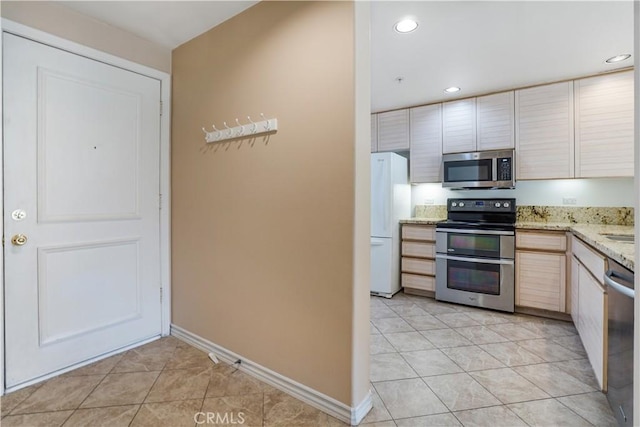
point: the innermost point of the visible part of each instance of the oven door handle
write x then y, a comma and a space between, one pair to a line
463, 231
478, 260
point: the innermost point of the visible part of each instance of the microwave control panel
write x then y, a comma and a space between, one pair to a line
504, 169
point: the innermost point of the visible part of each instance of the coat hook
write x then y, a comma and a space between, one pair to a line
254, 128
241, 130
230, 131
215, 128
266, 126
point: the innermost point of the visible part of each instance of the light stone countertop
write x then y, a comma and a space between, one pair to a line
592, 234
423, 221
595, 236
622, 252
551, 226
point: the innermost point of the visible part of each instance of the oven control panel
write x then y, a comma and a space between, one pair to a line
481, 205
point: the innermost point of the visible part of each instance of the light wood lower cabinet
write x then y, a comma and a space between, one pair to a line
541, 266
418, 264
589, 305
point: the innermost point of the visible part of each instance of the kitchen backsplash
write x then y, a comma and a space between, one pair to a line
431, 211
573, 215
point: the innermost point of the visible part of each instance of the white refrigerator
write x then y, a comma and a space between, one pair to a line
390, 202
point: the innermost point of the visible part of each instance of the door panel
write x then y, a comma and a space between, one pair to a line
81, 143
87, 150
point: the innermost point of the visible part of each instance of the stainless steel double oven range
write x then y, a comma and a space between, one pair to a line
475, 251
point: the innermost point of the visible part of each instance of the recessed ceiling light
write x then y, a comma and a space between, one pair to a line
618, 58
406, 26
452, 89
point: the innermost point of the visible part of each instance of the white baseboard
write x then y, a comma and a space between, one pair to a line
359, 412
306, 394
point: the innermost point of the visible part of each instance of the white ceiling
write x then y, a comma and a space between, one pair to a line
479, 46
168, 23
485, 47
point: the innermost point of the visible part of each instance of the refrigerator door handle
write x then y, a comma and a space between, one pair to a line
377, 242
384, 200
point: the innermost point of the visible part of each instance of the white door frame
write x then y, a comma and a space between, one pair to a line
165, 164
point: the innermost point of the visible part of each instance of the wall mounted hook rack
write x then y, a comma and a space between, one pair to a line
251, 129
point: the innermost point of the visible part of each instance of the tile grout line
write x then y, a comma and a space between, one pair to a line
88, 394
551, 339
21, 401
154, 383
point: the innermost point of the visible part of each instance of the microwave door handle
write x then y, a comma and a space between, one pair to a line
494, 166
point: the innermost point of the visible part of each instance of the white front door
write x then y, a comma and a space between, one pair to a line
81, 171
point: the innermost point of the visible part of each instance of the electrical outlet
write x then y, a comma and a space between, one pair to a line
569, 201
429, 201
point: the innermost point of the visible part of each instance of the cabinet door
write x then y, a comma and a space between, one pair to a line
575, 291
459, 126
425, 125
592, 321
374, 133
544, 132
604, 125
496, 121
540, 280
393, 130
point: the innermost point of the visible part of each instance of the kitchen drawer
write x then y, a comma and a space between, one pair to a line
415, 281
592, 260
419, 266
541, 241
419, 232
419, 249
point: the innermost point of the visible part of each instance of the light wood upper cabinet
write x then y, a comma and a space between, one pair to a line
495, 121
604, 125
393, 130
426, 143
459, 126
544, 132
479, 124
374, 133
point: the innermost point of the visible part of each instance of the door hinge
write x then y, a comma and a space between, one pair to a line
160, 292
160, 201
160, 107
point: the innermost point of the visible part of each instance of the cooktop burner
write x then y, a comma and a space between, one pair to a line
494, 213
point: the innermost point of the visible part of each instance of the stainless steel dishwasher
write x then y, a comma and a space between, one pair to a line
621, 293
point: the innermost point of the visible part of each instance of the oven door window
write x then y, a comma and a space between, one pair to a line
468, 170
473, 277
479, 245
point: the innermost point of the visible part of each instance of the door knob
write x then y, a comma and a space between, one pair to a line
19, 239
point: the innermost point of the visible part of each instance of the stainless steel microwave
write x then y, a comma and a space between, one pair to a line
480, 169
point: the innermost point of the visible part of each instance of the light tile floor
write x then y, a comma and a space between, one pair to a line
163, 383
438, 364
432, 364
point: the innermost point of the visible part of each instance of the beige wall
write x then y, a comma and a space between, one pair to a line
263, 233
71, 25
